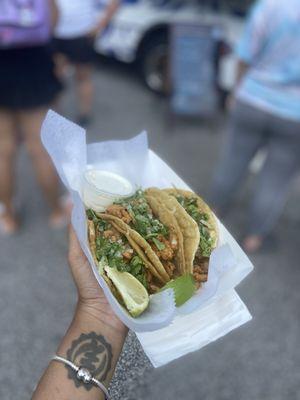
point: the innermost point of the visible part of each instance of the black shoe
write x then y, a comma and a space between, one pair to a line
84, 120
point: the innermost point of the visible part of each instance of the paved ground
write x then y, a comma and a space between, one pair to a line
260, 361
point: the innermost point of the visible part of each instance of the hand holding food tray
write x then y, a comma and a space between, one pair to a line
155, 247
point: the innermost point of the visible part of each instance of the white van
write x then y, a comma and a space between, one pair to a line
139, 34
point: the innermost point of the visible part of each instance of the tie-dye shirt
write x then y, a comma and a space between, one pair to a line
271, 46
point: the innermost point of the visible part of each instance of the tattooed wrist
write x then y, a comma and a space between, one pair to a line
99, 316
91, 351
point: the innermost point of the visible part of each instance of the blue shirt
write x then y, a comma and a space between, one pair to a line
271, 46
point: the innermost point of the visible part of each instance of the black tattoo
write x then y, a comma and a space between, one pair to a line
90, 351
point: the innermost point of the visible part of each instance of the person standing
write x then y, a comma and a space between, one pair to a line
28, 86
265, 114
79, 23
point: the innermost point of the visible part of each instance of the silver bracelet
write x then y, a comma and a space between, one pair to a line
83, 374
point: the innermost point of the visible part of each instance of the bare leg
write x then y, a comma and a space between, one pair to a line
61, 65
30, 123
61, 70
85, 88
8, 147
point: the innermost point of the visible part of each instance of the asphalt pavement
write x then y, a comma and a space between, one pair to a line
260, 361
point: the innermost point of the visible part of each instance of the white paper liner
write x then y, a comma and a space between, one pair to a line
188, 333
66, 144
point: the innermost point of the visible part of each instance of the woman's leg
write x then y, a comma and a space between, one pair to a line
8, 147
30, 123
61, 70
85, 89
61, 65
274, 182
245, 136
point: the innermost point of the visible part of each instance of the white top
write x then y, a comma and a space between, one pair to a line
76, 18
271, 46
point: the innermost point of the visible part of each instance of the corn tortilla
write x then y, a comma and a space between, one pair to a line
140, 245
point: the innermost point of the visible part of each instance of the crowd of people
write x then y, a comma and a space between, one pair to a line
264, 113
38, 41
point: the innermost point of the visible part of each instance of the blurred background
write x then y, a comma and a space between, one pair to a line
174, 68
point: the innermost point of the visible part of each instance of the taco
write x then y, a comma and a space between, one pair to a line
154, 229
122, 263
198, 246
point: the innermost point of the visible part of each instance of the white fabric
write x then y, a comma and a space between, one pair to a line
76, 18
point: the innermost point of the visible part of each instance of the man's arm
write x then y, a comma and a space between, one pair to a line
94, 339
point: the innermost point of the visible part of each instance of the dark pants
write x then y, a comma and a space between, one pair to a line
251, 129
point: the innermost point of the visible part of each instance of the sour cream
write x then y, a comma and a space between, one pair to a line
102, 188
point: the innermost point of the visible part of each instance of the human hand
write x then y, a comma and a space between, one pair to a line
94, 339
91, 298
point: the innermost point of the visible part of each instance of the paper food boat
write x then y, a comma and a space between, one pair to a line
165, 332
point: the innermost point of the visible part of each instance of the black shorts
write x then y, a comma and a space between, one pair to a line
27, 78
78, 51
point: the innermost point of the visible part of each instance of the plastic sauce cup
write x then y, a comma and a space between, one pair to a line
102, 188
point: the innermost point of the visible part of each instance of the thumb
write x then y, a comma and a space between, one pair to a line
75, 251
77, 260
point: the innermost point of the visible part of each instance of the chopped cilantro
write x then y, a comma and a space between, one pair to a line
158, 244
103, 225
137, 269
92, 215
100, 224
112, 253
143, 221
191, 207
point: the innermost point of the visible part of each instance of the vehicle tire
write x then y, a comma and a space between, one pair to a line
153, 63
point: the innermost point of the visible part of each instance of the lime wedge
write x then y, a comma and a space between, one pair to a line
184, 288
133, 293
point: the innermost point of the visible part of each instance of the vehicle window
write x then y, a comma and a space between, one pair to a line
169, 3
237, 7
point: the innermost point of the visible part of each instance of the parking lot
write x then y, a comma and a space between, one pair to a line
259, 361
